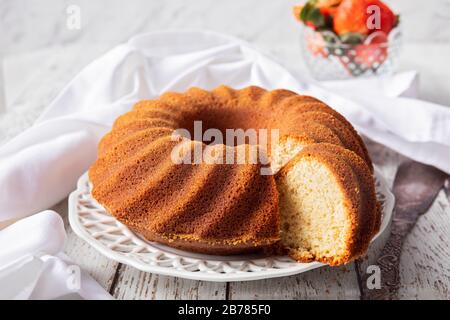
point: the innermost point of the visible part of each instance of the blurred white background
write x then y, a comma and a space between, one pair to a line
40, 54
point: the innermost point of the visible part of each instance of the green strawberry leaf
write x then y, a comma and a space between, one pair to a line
312, 14
305, 11
352, 38
317, 18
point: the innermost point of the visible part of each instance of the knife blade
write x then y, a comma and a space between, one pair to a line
416, 186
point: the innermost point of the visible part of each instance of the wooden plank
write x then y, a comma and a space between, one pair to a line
134, 284
322, 283
425, 260
387, 161
98, 266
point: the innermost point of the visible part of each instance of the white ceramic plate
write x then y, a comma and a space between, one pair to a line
91, 222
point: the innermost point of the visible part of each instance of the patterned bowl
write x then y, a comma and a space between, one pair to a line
328, 58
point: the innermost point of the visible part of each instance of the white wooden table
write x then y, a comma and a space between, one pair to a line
42, 55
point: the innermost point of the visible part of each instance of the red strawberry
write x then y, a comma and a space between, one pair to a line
328, 7
327, 11
352, 16
359, 59
328, 3
373, 54
387, 18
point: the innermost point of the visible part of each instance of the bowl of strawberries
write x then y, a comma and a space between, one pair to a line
344, 39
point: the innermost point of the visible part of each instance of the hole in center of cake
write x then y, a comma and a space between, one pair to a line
228, 126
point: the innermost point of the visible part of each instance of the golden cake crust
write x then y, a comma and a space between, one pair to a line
345, 135
297, 104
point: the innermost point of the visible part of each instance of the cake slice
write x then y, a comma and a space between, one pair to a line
370, 213
323, 217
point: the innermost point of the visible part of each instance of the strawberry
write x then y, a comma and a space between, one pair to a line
328, 7
352, 16
327, 11
328, 3
314, 16
388, 19
296, 11
316, 13
373, 54
360, 58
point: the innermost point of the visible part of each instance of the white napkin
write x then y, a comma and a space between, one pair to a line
41, 166
33, 267
405, 84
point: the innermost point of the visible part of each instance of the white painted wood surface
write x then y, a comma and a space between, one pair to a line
425, 265
322, 283
42, 56
134, 284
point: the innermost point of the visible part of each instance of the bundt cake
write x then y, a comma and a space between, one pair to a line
312, 187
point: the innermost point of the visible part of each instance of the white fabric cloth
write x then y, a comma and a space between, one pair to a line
41, 166
33, 267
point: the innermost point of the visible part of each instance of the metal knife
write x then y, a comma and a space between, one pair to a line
416, 186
